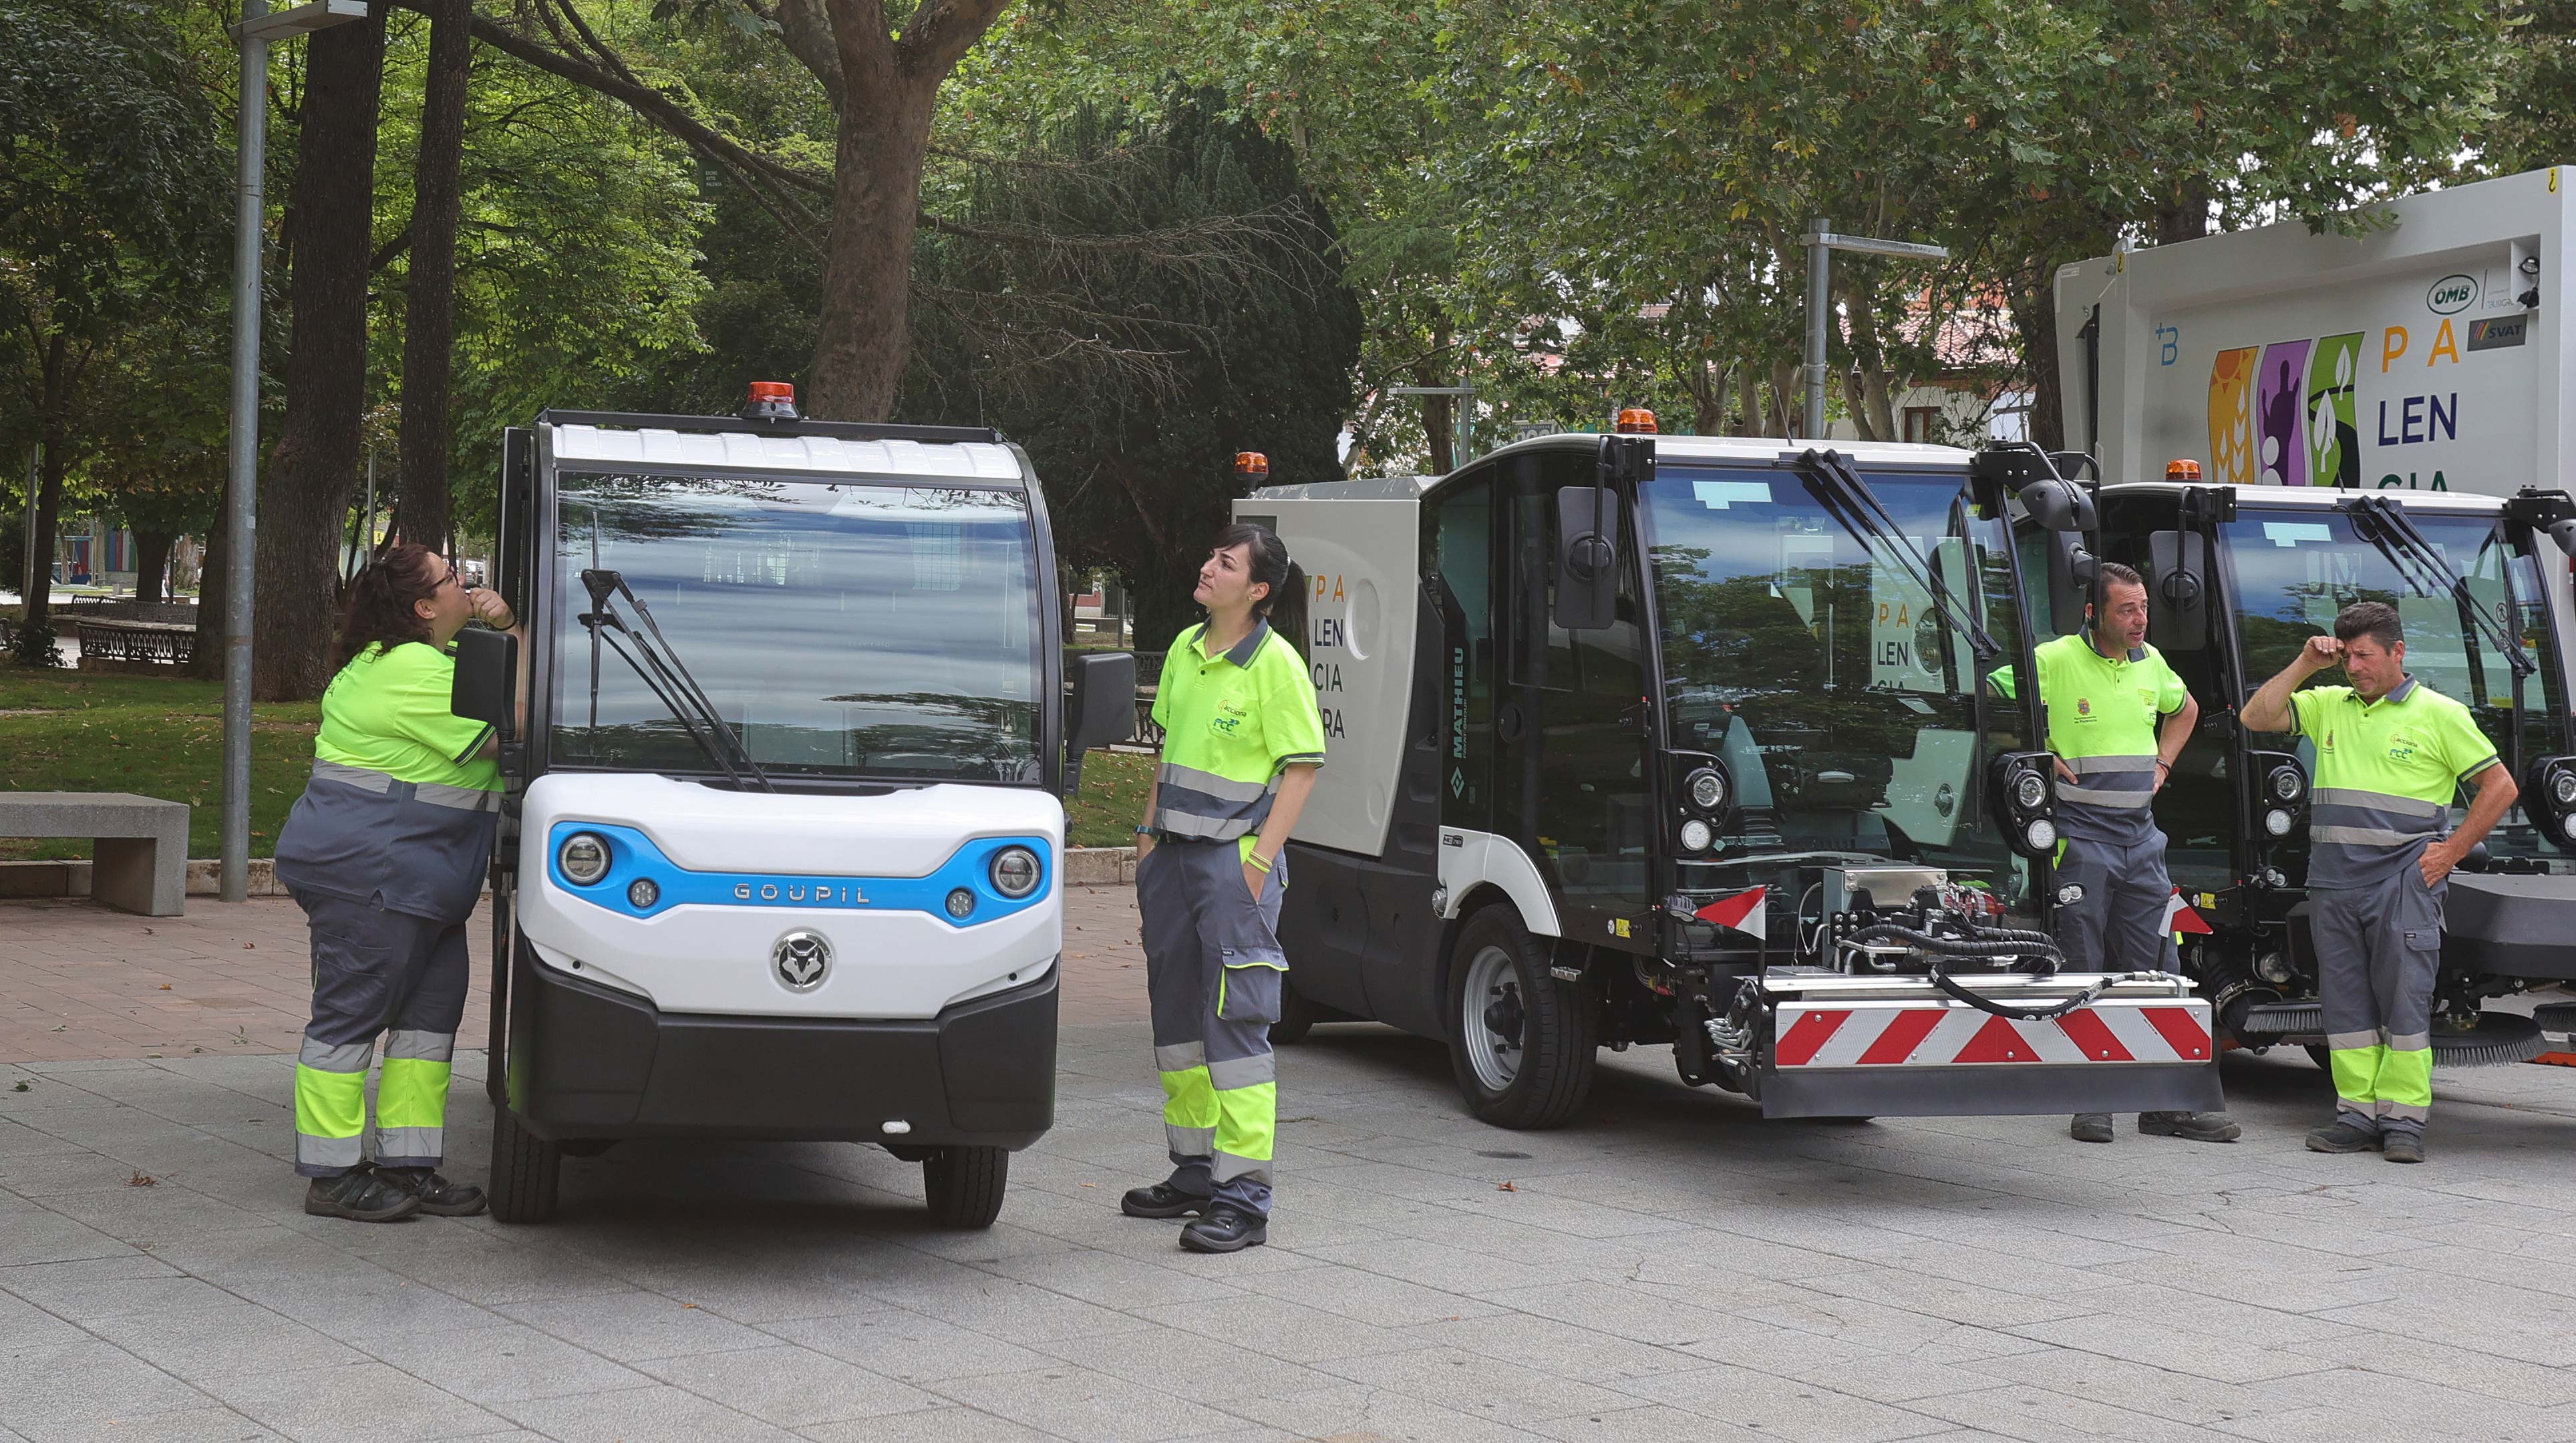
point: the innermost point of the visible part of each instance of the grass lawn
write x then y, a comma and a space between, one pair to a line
72, 731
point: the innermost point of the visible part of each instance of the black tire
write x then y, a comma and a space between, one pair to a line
965, 1185
1524, 1021
2317, 1054
1297, 1016
586, 1146
525, 1169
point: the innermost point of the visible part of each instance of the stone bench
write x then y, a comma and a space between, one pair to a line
141, 860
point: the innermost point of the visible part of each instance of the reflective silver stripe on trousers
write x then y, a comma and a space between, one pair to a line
2404, 1111
347, 775
2410, 1041
411, 1146
2359, 1107
420, 1046
342, 1152
2378, 801
1189, 1141
463, 799
2366, 836
1227, 1167
1244, 1071
347, 1057
2347, 1041
1180, 1056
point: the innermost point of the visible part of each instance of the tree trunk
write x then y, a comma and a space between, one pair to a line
214, 583
305, 499
1748, 401
866, 336
49, 506
429, 307
151, 558
2186, 219
2034, 310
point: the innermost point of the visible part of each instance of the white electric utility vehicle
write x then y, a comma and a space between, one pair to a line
1701, 741
783, 852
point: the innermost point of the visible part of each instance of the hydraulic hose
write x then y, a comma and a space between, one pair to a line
2042, 964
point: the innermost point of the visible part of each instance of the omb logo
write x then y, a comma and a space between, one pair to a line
801, 959
2451, 295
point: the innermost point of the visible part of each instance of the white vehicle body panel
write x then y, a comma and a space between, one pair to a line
888, 963
2410, 360
1472, 859
970, 462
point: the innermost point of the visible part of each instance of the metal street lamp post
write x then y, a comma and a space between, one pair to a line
241, 503
1821, 244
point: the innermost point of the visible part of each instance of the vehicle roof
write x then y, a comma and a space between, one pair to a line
1762, 449
923, 455
2326, 498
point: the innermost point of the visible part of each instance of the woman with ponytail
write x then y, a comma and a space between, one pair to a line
386, 853
1241, 742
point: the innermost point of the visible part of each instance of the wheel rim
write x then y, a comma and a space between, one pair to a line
1496, 1018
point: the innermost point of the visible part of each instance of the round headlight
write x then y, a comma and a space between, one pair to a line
2562, 786
2041, 834
2286, 782
961, 904
583, 857
643, 892
2070, 894
2030, 791
1707, 789
2277, 822
1696, 835
1015, 872
2569, 826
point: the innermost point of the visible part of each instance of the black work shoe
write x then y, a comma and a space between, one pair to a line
2194, 1126
1225, 1229
2341, 1136
361, 1196
2090, 1127
2402, 1146
436, 1194
1162, 1200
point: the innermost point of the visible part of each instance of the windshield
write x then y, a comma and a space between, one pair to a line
2293, 569
1812, 662
840, 629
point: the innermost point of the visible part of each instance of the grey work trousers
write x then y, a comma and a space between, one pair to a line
377, 972
1213, 974
2379, 949
2120, 924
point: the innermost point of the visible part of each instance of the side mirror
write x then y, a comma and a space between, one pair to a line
1102, 709
2060, 506
2564, 533
487, 679
1587, 557
2071, 570
2178, 590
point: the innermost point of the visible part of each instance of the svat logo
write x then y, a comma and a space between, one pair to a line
2083, 706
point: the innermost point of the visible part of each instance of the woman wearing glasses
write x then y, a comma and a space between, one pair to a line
386, 853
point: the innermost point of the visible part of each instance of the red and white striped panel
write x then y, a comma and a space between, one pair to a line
1943, 1034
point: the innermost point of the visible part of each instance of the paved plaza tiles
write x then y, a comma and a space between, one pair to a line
1669, 1267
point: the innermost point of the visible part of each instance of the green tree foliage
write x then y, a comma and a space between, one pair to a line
111, 204
1202, 287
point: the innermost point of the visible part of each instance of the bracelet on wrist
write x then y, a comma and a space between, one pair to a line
1256, 861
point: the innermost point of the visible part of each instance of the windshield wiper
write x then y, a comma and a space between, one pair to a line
2392, 518
665, 675
1861, 513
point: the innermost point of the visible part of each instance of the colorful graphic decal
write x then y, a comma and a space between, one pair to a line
2334, 442
2279, 393
2231, 417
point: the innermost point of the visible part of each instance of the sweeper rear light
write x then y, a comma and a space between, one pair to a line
1251, 465
770, 401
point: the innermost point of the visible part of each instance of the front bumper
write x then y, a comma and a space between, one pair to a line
586, 1061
